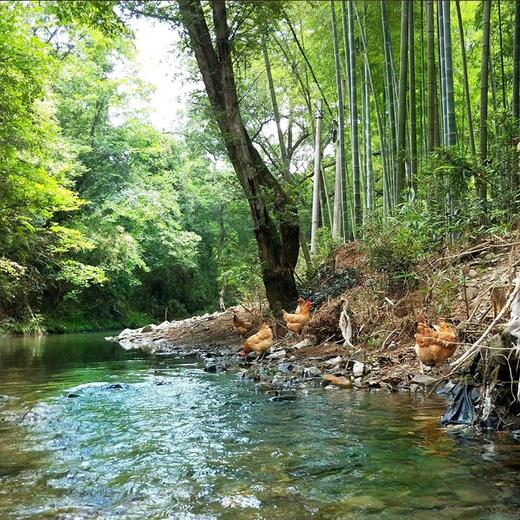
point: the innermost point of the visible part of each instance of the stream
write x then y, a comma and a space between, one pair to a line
89, 430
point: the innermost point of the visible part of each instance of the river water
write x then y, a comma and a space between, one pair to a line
89, 430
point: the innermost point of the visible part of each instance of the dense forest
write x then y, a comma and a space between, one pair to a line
311, 124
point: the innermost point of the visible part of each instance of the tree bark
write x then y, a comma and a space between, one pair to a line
401, 136
391, 96
316, 180
356, 177
276, 229
516, 63
340, 157
433, 118
451, 128
484, 85
413, 107
467, 95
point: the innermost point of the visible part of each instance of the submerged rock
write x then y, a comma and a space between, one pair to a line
285, 395
340, 382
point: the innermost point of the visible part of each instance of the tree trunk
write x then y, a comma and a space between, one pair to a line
413, 108
401, 136
442, 69
484, 72
467, 94
380, 124
356, 177
516, 87
340, 161
316, 179
276, 229
391, 97
502, 71
516, 63
276, 112
433, 119
451, 128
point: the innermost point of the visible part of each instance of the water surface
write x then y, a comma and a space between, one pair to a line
89, 430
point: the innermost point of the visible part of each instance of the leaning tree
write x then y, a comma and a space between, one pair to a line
273, 209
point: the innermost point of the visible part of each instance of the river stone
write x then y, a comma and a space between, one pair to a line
72, 395
126, 332
311, 372
333, 361
164, 325
148, 328
423, 379
285, 367
302, 344
358, 369
285, 395
277, 355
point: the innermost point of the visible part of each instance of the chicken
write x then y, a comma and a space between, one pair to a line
295, 322
260, 342
301, 301
434, 345
241, 326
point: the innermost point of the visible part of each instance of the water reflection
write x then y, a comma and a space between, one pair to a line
145, 437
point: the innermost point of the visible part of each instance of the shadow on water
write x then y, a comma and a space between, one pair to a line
89, 430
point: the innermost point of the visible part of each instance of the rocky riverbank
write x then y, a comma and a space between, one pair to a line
469, 287
292, 363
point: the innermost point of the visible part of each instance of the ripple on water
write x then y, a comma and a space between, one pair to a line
150, 438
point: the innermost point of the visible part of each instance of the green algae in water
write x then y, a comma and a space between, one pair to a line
156, 437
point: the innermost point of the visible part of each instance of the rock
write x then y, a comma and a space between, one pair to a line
266, 388
285, 395
471, 293
414, 388
280, 354
285, 367
341, 382
164, 325
148, 328
278, 381
472, 273
211, 369
311, 372
302, 344
358, 369
333, 361
72, 395
126, 332
115, 386
422, 379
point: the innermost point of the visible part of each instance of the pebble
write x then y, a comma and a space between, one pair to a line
280, 354
334, 361
311, 372
358, 369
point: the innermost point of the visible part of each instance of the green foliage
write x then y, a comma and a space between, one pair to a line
396, 244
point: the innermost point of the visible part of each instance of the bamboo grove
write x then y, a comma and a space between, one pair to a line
423, 113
